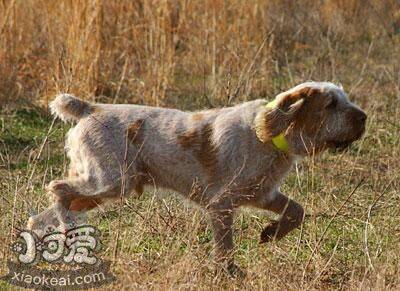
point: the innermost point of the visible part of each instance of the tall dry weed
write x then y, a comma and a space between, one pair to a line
178, 53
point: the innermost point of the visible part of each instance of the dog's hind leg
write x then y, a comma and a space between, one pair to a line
69, 206
40, 223
79, 195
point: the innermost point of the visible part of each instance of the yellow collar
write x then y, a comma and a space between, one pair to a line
279, 141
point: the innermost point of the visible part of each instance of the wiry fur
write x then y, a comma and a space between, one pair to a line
220, 159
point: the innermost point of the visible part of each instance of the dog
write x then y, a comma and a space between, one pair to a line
220, 159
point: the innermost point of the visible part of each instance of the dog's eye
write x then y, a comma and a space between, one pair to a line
331, 104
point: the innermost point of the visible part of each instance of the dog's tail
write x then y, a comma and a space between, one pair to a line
69, 108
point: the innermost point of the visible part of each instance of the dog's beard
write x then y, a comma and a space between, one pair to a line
341, 145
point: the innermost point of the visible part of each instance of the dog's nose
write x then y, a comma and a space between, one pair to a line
359, 115
362, 116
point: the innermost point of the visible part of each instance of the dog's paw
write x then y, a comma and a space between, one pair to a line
269, 232
235, 271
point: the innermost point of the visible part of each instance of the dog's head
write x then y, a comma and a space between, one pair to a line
314, 116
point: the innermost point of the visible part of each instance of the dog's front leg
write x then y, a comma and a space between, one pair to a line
291, 212
222, 220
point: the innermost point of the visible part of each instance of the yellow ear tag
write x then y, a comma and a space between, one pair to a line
279, 141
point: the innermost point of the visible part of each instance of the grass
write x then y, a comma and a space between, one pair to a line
162, 242
201, 54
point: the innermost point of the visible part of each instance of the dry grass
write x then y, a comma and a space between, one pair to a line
197, 54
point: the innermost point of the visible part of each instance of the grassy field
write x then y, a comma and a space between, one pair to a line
203, 54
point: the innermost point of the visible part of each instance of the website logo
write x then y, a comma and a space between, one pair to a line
59, 260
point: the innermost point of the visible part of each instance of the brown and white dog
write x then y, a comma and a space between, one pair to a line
221, 159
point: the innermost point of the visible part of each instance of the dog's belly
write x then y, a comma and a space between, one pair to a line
177, 170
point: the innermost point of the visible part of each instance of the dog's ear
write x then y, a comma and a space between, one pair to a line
273, 120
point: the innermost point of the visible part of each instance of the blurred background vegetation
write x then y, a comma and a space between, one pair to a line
192, 53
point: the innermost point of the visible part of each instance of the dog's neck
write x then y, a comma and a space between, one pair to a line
290, 142
300, 144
